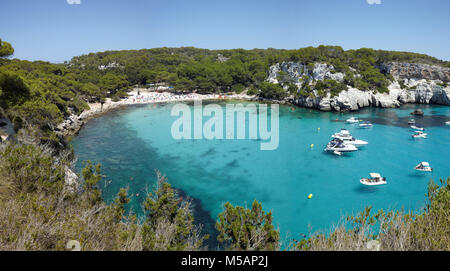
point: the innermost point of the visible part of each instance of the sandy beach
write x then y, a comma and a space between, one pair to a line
74, 122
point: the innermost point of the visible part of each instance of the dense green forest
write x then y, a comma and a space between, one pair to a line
191, 69
41, 94
40, 212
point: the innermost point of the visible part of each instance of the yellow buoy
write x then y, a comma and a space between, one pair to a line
312, 146
318, 129
310, 196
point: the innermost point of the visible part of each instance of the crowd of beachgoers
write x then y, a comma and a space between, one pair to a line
138, 96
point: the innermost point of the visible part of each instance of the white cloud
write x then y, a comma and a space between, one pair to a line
73, 2
371, 2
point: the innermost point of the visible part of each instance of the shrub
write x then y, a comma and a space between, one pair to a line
247, 229
394, 230
272, 91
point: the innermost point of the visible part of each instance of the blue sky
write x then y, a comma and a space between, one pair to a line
54, 30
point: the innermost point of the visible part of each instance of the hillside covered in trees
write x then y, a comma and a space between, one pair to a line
206, 71
40, 211
41, 94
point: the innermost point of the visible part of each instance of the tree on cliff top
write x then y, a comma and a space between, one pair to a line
6, 49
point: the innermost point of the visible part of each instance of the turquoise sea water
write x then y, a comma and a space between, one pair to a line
132, 142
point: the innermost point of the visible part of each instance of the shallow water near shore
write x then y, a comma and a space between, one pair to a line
132, 142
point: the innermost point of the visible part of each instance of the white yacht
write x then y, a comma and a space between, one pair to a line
352, 120
419, 134
412, 121
423, 166
375, 180
365, 124
345, 136
417, 128
338, 146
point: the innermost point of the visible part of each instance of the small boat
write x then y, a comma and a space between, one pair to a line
344, 133
338, 147
365, 124
375, 180
423, 166
447, 122
352, 120
417, 128
412, 121
419, 134
345, 136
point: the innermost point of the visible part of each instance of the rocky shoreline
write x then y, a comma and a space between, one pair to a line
421, 83
72, 125
413, 83
419, 92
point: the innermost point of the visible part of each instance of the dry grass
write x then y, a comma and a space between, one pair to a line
37, 212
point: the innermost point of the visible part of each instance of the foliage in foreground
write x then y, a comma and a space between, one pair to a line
39, 211
247, 229
394, 230
42, 94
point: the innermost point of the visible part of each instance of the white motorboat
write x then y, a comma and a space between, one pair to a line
375, 179
424, 166
365, 124
419, 134
344, 133
345, 136
352, 120
447, 122
417, 128
338, 146
412, 121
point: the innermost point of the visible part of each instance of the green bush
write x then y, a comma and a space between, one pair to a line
272, 91
394, 230
247, 229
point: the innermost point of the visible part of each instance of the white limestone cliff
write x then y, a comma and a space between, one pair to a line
415, 90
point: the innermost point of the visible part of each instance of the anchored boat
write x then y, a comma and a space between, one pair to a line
345, 136
419, 134
417, 128
424, 166
338, 147
352, 120
365, 124
375, 179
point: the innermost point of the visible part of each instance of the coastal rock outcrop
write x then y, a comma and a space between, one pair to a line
416, 71
73, 123
423, 91
70, 178
417, 112
414, 89
6, 129
295, 71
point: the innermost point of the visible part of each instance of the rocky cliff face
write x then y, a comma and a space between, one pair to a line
6, 129
354, 99
295, 71
416, 71
416, 90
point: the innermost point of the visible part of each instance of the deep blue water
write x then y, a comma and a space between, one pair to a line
132, 142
